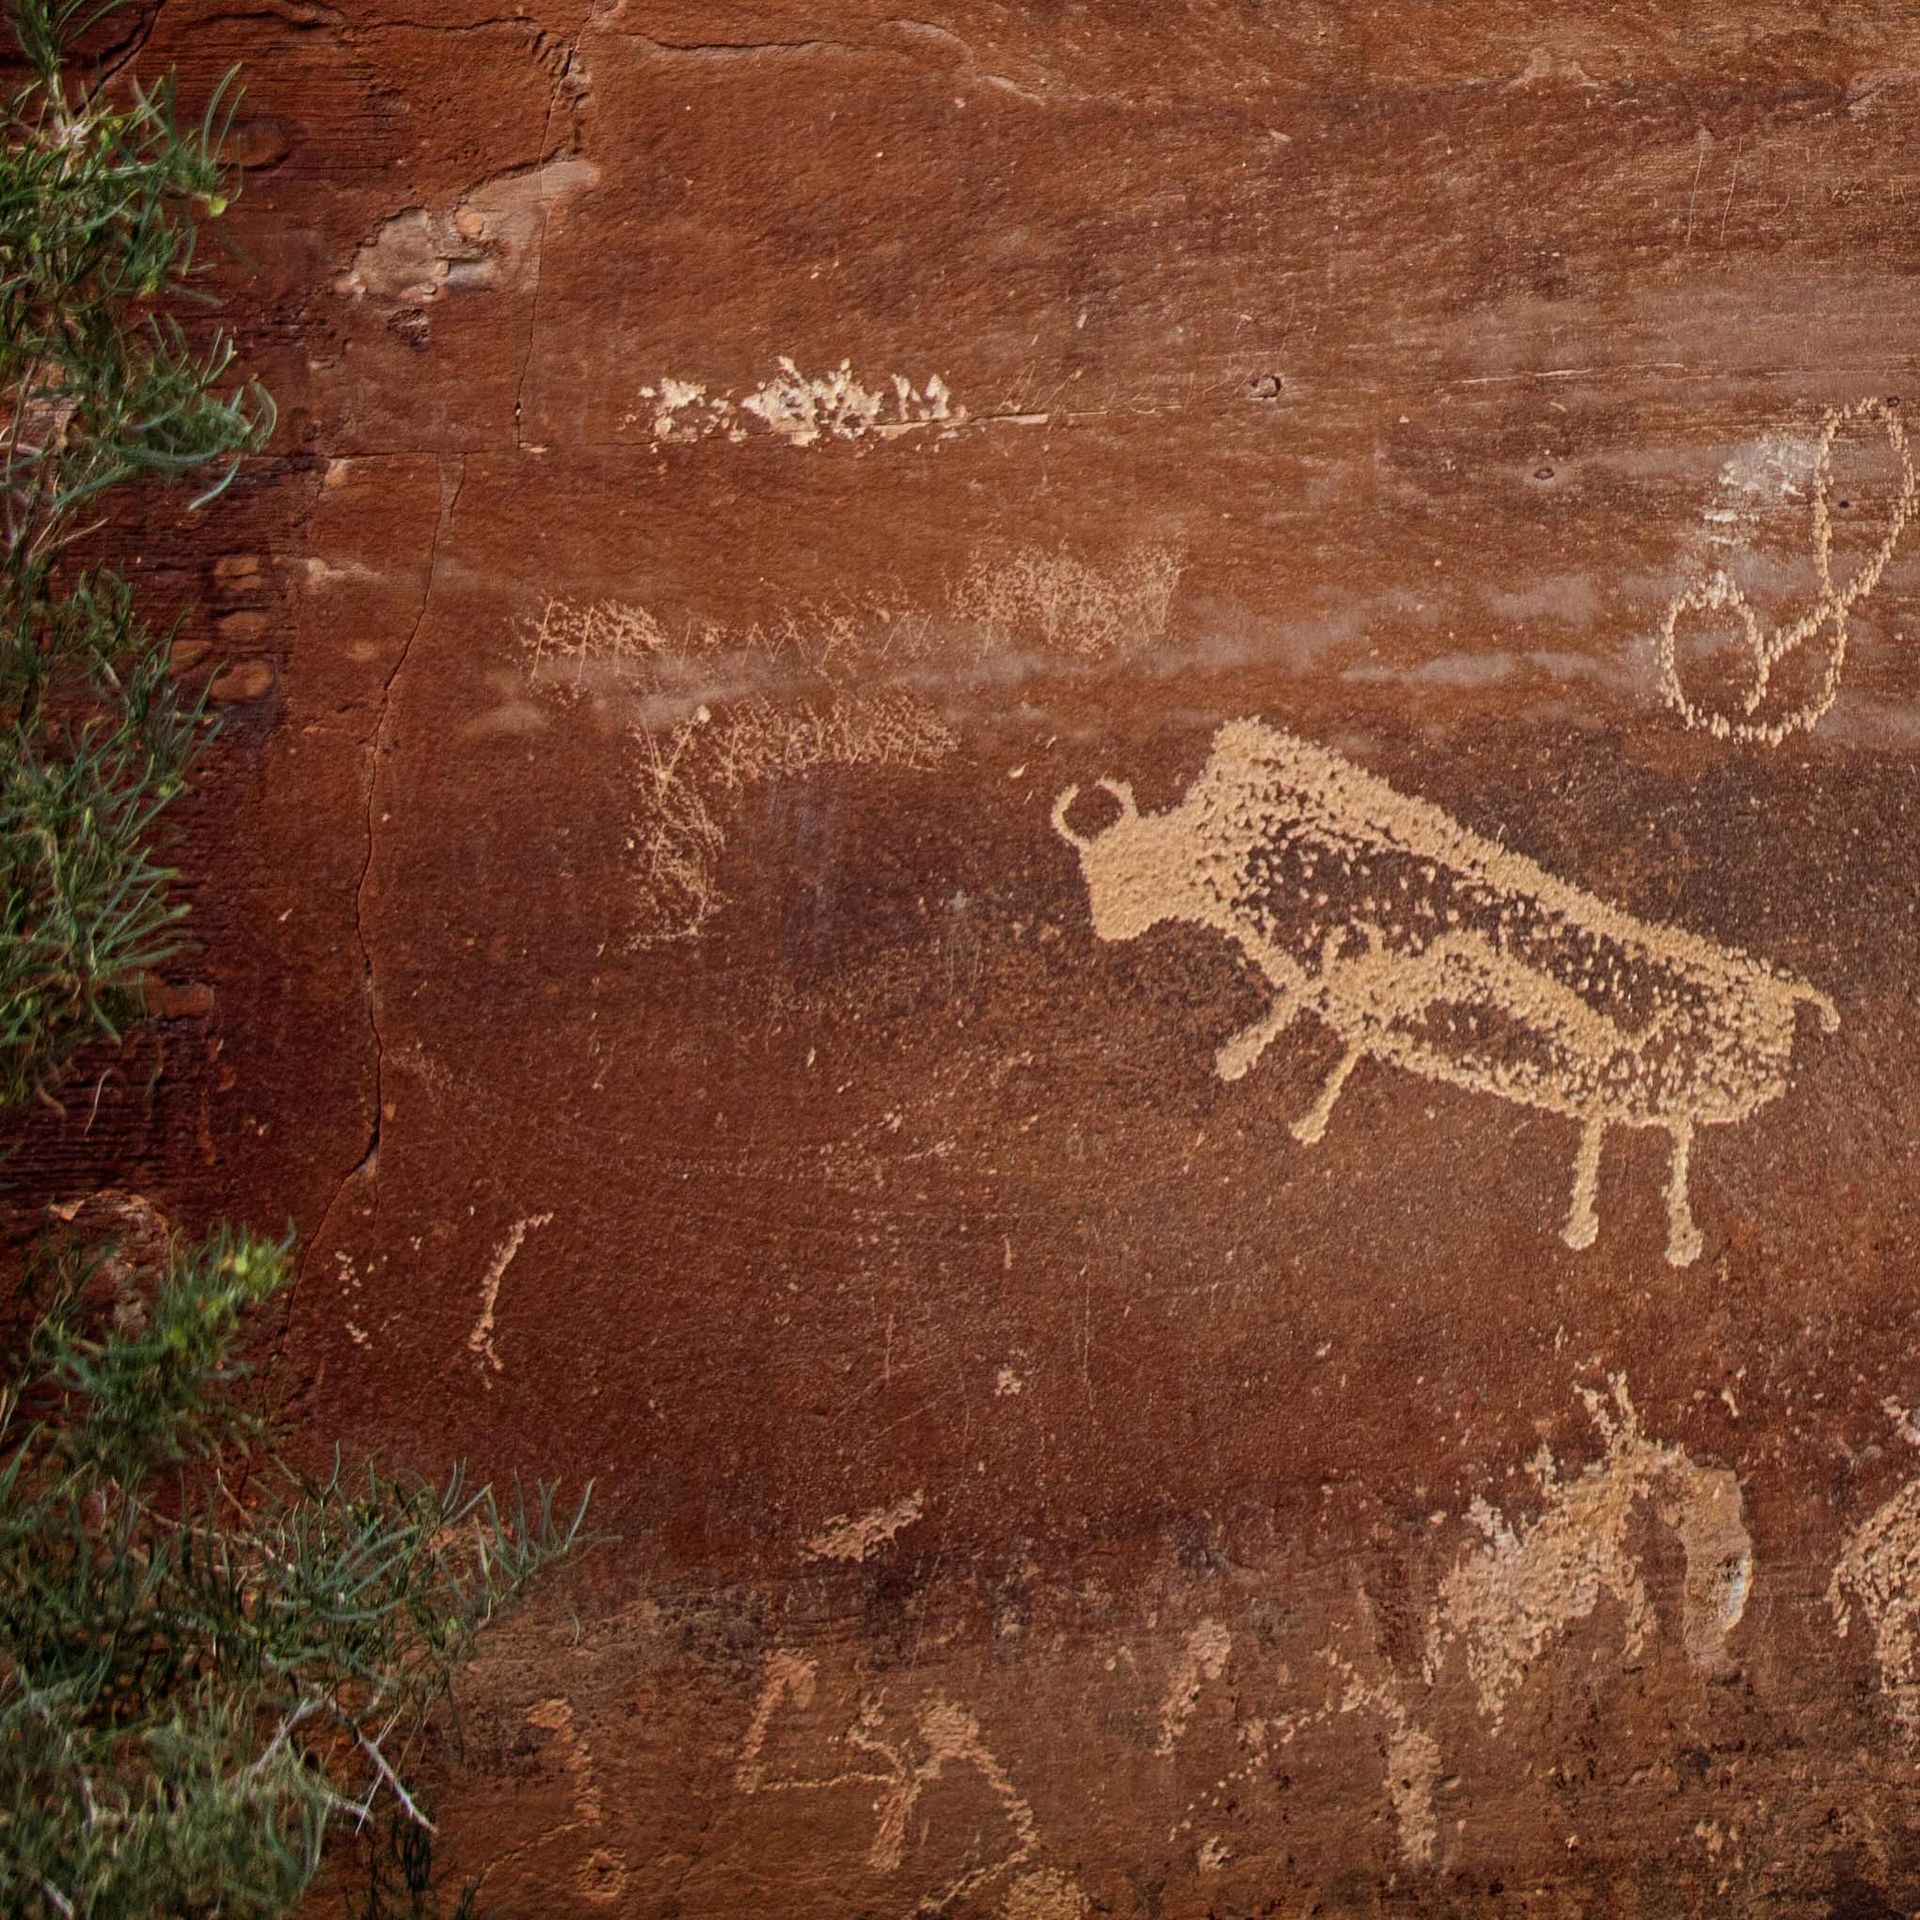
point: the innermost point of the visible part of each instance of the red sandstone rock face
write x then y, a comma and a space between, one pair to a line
739, 469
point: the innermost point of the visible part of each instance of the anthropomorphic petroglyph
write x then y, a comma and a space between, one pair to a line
1826, 620
1426, 946
897, 1756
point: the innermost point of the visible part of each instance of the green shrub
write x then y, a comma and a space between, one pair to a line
100, 387
208, 1659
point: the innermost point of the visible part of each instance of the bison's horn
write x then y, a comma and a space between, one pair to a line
1060, 826
1117, 788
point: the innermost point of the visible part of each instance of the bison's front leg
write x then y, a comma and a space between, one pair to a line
1683, 1237
1239, 1055
1288, 983
1583, 1223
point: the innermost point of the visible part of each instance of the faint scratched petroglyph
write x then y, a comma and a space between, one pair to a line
1426, 946
1204, 1658
1044, 1894
901, 1753
1410, 1754
947, 1736
601, 1878
687, 777
1826, 620
799, 408
1506, 1600
1412, 1757
1880, 1566
1256, 1739
480, 1340
1502, 1606
711, 710
788, 1676
707, 733
847, 1537
1049, 599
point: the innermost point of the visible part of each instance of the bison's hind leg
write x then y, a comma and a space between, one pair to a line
1583, 1223
1313, 1123
1683, 1237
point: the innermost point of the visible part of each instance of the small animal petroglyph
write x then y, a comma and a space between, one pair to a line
1428, 947
856, 1537
1880, 1567
1719, 594
802, 409
1507, 1599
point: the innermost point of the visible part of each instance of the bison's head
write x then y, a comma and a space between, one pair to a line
1123, 864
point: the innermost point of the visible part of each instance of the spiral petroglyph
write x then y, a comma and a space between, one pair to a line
1826, 621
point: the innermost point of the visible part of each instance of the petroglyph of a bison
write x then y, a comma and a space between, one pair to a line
1424, 945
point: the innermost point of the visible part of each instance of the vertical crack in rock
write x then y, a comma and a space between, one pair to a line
573, 90
368, 1162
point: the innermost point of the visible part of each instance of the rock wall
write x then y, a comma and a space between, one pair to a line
1092, 825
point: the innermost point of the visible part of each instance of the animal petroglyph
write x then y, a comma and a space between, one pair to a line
1880, 1567
855, 1537
1430, 948
1504, 1601
1825, 621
